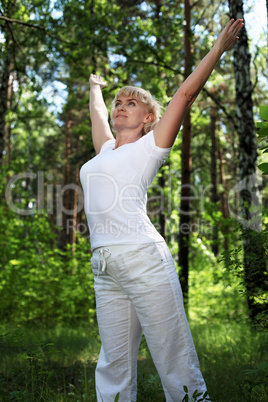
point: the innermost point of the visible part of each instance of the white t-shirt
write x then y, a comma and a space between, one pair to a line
115, 184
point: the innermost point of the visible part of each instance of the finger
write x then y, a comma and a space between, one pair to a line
238, 25
235, 24
230, 24
241, 25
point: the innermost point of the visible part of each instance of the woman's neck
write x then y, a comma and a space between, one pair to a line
126, 137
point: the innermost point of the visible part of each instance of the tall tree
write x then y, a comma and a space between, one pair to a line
213, 172
8, 49
223, 196
254, 261
186, 163
25, 48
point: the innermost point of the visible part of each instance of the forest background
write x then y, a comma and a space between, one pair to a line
209, 200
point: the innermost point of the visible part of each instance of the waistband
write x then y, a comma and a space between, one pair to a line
103, 253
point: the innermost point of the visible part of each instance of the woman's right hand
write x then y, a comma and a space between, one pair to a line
97, 80
228, 36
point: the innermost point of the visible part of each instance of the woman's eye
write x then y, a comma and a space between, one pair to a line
132, 103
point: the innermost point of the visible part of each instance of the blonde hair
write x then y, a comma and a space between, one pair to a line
145, 97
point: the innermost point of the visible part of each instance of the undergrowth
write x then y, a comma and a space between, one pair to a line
58, 364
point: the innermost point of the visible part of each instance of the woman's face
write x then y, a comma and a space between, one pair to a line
130, 113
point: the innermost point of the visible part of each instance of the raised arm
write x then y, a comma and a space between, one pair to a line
101, 131
167, 129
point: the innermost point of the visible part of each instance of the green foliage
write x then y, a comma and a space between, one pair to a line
47, 364
257, 378
254, 279
263, 136
214, 292
229, 350
196, 396
38, 282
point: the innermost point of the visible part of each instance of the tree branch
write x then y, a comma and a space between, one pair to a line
15, 40
14, 21
223, 108
152, 63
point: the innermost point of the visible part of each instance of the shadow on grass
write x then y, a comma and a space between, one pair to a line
54, 365
58, 364
49, 381
37, 365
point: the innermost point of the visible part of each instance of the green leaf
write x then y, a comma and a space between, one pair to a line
262, 124
186, 398
263, 132
116, 399
14, 262
264, 112
264, 167
264, 147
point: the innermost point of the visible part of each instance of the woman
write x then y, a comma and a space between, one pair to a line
136, 284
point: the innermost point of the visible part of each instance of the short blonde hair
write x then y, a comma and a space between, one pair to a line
145, 97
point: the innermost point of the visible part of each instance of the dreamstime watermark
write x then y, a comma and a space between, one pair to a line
49, 199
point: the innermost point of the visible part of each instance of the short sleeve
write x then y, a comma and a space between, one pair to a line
154, 159
152, 149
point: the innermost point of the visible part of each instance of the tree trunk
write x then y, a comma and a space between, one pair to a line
75, 199
213, 173
64, 235
161, 215
4, 85
254, 261
223, 197
7, 128
75, 217
186, 166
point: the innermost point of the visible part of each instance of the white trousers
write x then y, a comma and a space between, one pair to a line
137, 289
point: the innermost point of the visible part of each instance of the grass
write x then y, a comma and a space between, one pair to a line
58, 364
233, 359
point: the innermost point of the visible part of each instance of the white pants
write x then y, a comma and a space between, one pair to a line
137, 288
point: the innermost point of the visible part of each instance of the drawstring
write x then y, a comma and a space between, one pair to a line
102, 259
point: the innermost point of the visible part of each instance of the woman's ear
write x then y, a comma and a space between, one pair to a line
149, 118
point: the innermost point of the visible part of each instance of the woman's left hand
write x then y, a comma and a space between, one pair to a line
228, 36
